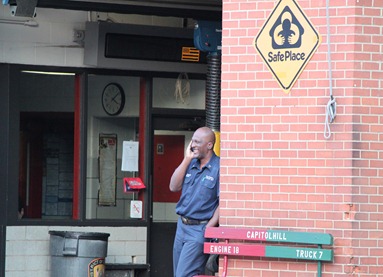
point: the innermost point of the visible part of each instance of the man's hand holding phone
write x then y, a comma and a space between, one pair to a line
189, 151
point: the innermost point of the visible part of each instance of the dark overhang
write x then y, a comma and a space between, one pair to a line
197, 9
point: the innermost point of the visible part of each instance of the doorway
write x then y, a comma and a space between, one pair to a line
168, 153
46, 165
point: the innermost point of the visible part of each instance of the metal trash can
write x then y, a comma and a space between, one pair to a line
78, 254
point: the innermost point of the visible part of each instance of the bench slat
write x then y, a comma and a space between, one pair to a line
300, 253
268, 235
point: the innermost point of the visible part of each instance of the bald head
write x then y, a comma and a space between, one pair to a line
202, 144
207, 133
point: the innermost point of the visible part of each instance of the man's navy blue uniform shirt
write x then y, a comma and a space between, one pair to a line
200, 190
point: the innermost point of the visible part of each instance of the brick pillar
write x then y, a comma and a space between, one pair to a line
277, 169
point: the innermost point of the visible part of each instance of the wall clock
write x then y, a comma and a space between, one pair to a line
113, 99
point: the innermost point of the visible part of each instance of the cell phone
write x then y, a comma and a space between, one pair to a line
191, 149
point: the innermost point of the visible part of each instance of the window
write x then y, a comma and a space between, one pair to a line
46, 143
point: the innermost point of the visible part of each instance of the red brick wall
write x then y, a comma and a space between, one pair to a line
277, 169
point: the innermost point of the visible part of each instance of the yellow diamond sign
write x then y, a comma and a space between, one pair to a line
287, 42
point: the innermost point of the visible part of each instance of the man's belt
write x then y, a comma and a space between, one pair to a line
188, 221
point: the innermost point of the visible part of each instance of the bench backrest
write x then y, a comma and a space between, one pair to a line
274, 251
268, 235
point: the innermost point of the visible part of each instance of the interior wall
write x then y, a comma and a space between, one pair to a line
125, 127
42, 93
46, 93
180, 93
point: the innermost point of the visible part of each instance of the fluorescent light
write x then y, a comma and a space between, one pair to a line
30, 23
48, 72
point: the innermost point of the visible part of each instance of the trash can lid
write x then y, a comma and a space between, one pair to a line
80, 235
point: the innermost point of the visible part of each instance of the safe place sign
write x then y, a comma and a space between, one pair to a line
287, 42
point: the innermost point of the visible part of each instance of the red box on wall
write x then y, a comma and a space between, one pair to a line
132, 184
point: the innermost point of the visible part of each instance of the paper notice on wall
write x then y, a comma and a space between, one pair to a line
136, 209
129, 156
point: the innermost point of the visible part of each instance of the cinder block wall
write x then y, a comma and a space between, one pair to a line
27, 247
277, 169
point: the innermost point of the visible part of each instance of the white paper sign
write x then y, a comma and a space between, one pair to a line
136, 209
129, 156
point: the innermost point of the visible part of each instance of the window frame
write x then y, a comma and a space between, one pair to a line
80, 150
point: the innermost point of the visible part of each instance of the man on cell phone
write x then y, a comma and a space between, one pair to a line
198, 178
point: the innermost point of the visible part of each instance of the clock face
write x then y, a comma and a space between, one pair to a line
113, 99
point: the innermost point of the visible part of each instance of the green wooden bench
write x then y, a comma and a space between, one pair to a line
271, 244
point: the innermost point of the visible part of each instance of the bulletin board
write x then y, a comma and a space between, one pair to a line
107, 169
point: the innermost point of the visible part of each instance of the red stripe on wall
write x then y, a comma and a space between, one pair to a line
76, 156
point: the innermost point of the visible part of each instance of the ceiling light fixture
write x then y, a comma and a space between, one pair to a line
29, 23
48, 72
